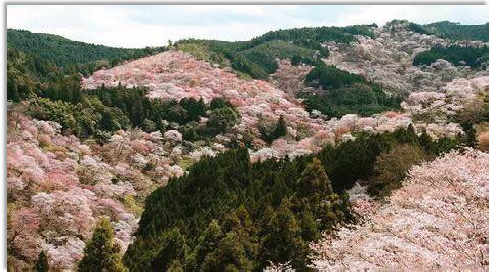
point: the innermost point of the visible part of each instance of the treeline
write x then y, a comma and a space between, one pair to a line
472, 56
458, 32
227, 214
265, 54
256, 58
99, 112
311, 37
345, 93
256, 62
65, 53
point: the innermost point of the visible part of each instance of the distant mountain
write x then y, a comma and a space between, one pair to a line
456, 31
256, 57
39, 57
64, 52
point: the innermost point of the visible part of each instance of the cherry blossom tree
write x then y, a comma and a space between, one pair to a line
438, 221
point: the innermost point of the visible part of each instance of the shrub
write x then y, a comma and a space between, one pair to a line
221, 119
391, 168
483, 141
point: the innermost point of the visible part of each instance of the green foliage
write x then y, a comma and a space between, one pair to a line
236, 215
49, 65
445, 145
347, 93
219, 102
256, 57
23, 72
472, 56
189, 131
65, 53
284, 241
194, 108
456, 31
310, 37
148, 114
330, 77
201, 50
58, 111
148, 125
264, 54
417, 28
391, 168
230, 255
101, 253
222, 209
172, 251
270, 132
295, 60
175, 266
314, 182
241, 63
221, 119
66, 89
42, 263
470, 135
109, 109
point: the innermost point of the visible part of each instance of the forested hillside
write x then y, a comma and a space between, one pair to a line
346, 93
63, 52
256, 57
470, 56
49, 66
457, 31
229, 215
325, 148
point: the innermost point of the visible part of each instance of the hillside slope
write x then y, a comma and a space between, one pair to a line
438, 221
456, 31
81, 148
64, 52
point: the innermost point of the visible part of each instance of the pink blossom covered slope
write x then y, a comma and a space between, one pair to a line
58, 187
174, 75
438, 221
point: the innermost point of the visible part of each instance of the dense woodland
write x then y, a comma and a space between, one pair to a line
456, 31
470, 56
345, 93
70, 54
52, 86
227, 214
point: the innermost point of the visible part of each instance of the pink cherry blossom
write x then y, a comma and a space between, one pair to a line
438, 221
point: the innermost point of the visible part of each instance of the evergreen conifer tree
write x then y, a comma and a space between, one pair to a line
101, 253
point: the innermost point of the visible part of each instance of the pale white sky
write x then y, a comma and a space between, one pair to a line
140, 26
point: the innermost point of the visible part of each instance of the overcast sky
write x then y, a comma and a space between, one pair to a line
140, 26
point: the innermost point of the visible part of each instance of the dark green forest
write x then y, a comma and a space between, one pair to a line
227, 214
345, 93
472, 56
457, 31
65, 53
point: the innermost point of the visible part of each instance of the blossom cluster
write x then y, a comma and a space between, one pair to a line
438, 221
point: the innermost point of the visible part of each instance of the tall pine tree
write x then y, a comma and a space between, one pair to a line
101, 253
42, 263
